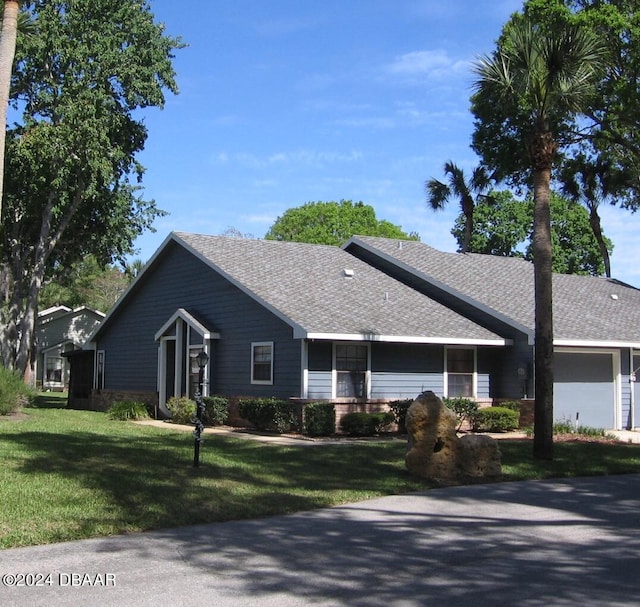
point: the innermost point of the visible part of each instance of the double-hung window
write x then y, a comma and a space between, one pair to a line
352, 363
262, 362
461, 367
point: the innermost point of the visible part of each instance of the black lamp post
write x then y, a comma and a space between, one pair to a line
201, 359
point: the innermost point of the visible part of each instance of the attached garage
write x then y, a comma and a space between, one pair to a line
586, 388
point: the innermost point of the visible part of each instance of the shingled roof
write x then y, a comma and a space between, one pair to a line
587, 309
324, 292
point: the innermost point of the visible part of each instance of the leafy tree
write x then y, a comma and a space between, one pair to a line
609, 148
332, 223
8, 37
88, 283
72, 178
439, 193
529, 97
503, 226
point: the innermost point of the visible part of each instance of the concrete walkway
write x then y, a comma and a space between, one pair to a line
626, 436
532, 544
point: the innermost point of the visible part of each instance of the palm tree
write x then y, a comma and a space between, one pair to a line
439, 193
591, 183
542, 81
8, 37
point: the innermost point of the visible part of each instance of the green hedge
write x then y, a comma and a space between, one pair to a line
399, 409
365, 424
269, 414
183, 409
465, 409
216, 411
319, 419
495, 419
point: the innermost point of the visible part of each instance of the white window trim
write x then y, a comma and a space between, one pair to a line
262, 382
334, 370
474, 381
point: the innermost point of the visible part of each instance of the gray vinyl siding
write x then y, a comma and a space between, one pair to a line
398, 371
405, 385
179, 280
627, 417
319, 385
504, 365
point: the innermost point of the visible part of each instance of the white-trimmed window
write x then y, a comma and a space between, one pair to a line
262, 362
460, 372
352, 366
54, 369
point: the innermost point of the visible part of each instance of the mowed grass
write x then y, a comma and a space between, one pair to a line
68, 475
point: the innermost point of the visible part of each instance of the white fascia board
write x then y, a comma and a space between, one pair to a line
191, 321
410, 339
577, 343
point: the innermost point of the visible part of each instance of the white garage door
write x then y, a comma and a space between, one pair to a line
584, 389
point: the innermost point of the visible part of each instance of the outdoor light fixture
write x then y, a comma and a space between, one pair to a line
201, 359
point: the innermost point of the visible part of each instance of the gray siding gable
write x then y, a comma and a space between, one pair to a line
176, 279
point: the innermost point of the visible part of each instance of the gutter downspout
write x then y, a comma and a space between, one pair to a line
632, 379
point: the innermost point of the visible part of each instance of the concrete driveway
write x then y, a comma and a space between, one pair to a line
573, 542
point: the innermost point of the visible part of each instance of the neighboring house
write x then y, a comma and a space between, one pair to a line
373, 321
60, 330
596, 324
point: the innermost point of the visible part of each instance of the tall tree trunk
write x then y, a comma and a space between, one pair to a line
596, 227
543, 277
7, 53
468, 208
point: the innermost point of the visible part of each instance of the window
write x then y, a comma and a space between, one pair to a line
461, 365
262, 363
54, 370
194, 373
352, 363
99, 377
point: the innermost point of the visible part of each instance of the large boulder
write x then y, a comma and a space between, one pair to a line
434, 450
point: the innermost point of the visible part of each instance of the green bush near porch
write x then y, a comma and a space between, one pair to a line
365, 424
319, 419
216, 410
269, 414
495, 419
183, 409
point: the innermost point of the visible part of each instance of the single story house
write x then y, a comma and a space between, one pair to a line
363, 324
596, 324
60, 330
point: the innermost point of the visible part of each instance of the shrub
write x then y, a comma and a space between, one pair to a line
128, 409
495, 419
514, 405
399, 409
365, 424
319, 419
465, 409
216, 410
269, 414
183, 409
14, 393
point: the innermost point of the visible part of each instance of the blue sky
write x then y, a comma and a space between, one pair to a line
290, 101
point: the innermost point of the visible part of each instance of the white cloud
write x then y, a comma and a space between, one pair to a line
290, 158
422, 64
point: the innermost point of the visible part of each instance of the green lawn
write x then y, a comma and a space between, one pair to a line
75, 474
